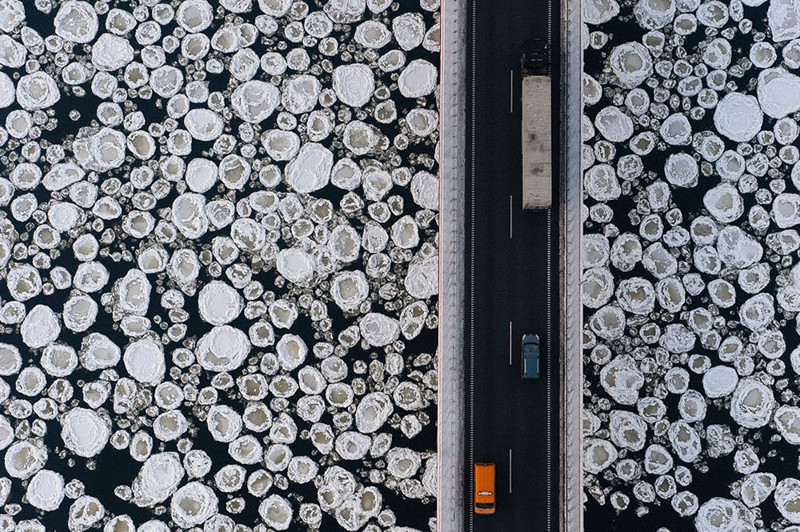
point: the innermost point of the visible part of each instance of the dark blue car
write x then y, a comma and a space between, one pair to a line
530, 356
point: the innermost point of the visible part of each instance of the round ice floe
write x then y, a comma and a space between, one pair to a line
7, 93
784, 20
417, 79
37, 91
720, 381
254, 101
223, 348
723, 515
275, 8
10, 360
295, 265
608, 322
677, 338
787, 418
193, 505
681, 170
79, 313
724, 202
76, 21
718, 54
373, 411
738, 249
752, 403
98, 352
757, 312
786, 210
597, 287
281, 145
422, 280
599, 11
204, 124
628, 430
352, 445
379, 329
46, 490
84, 432
778, 92
636, 295
353, 84
224, 423
111, 52
276, 512
408, 30
787, 499
598, 454
685, 441
676, 130
601, 183
310, 170
292, 351
144, 361
723, 293
631, 63
24, 458
349, 289
301, 94
157, 480
372, 34
219, 303
40, 327
613, 124
622, 379
425, 190
738, 117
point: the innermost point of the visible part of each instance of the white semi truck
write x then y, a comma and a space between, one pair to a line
537, 138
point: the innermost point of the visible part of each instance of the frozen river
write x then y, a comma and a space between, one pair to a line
691, 279
218, 253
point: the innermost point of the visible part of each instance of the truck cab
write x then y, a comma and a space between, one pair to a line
484, 488
536, 58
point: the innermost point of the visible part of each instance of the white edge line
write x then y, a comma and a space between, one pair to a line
511, 92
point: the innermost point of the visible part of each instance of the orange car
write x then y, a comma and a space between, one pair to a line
484, 488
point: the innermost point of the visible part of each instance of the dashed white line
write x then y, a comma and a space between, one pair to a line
509, 470
511, 216
511, 92
472, 287
510, 341
548, 371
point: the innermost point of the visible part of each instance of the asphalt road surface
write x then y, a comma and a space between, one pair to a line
511, 288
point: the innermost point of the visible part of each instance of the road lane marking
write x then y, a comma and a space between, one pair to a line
511, 91
511, 216
509, 342
471, 512
548, 305
509, 470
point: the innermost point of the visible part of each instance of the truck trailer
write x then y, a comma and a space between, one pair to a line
537, 138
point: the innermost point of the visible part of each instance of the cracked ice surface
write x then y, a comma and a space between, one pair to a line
219, 263
691, 289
